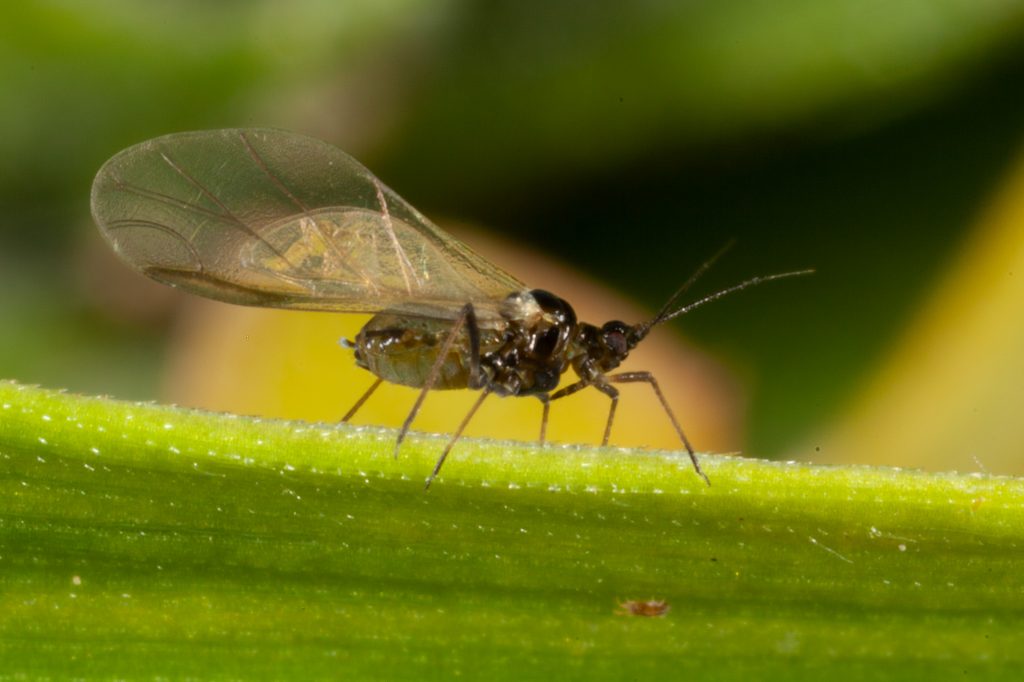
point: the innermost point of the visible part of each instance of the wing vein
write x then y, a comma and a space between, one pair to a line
227, 214
166, 229
343, 259
266, 171
403, 260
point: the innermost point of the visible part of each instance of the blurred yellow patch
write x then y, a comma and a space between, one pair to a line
951, 395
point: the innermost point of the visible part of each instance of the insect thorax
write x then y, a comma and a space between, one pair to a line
523, 351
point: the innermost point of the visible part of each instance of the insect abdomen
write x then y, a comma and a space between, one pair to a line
403, 350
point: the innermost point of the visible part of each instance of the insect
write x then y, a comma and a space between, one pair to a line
276, 219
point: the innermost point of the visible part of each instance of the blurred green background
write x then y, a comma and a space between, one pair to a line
630, 140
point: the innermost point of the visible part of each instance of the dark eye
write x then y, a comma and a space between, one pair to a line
616, 342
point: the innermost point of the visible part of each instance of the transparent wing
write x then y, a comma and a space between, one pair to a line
271, 218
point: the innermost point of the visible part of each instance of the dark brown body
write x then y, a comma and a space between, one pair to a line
524, 351
521, 347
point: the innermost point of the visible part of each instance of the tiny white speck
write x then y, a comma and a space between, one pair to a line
289, 467
513, 486
125, 595
7, 406
40, 459
76, 580
88, 467
174, 450
43, 441
902, 547
168, 426
129, 417
46, 418
522, 530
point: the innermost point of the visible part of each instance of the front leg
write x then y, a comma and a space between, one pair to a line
648, 378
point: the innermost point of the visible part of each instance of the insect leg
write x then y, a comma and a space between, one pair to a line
476, 375
545, 399
648, 378
612, 393
609, 391
455, 437
359, 403
569, 390
435, 371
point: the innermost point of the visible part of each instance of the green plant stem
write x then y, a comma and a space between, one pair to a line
139, 540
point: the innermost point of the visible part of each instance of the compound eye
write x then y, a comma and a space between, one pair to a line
613, 335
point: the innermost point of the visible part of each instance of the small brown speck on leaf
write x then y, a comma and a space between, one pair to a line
649, 608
